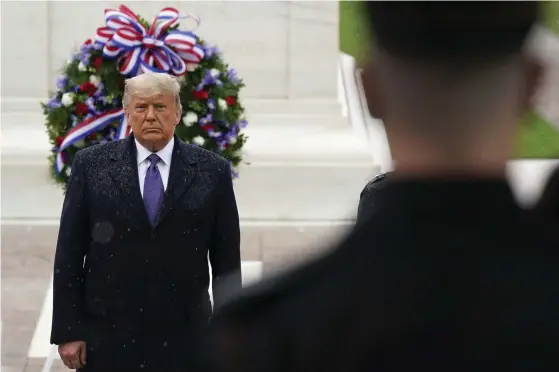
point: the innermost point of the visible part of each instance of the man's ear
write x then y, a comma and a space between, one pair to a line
534, 73
178, 118
371, 90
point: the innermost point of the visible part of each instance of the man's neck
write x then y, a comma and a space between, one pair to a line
438, 164
431, 172
416, 158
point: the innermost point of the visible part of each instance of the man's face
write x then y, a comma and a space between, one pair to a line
153, 119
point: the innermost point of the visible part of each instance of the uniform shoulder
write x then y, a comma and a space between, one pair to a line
377, 181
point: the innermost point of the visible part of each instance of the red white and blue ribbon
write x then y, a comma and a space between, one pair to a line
156, 49
90, 126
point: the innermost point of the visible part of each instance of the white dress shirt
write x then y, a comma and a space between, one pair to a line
164, 165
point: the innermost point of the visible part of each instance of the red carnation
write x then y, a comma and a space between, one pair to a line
88, 88
97, 62
87, 42
200, 95
59, 140
81, 108
208, 127
231, 100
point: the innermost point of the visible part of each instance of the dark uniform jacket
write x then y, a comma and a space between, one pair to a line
447, 275
141, 299
368, 200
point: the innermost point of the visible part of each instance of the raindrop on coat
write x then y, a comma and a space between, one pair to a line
102, 232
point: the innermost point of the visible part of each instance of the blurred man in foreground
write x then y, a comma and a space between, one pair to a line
449, 274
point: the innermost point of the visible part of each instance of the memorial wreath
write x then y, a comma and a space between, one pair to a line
86, 108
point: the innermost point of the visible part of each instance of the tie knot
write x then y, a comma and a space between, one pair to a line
154, 159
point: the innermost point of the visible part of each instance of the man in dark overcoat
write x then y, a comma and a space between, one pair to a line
140, 218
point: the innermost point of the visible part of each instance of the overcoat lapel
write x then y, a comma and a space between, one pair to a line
124, 171
183, 172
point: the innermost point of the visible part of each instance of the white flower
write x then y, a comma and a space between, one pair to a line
68, 171
67, 99
232, 140
222, 104
95, 80
82, 67
242, 117
190, 118
199, 140
190, 67
214, 72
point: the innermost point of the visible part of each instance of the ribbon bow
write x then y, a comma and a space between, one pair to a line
142, 50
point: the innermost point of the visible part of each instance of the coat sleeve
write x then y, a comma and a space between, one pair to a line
71, 248
225, 247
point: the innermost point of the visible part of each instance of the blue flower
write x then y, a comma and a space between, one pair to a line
211, 51
54, 103
232, 76
206, 119
100, 91
61, 82
208, 79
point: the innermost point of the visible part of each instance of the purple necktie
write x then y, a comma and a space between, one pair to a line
153, 189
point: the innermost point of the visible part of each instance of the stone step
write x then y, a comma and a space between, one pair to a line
332, 142
293, 107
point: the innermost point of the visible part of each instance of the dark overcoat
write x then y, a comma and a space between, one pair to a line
137, 294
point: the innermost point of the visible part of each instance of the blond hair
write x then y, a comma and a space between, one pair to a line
150, 84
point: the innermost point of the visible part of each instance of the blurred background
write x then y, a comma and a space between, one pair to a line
312, 145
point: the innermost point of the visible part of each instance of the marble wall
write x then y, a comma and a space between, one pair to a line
283, 49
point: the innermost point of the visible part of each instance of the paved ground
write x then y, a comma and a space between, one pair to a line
26, 269
26, 264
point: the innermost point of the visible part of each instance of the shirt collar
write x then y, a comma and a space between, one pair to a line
166, 153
